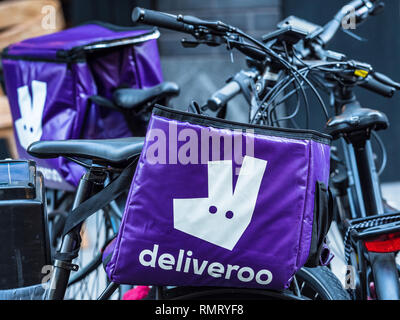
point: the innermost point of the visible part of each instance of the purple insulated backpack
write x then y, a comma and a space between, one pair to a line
49, 81
219, 203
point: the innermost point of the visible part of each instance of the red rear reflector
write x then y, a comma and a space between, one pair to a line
384, 243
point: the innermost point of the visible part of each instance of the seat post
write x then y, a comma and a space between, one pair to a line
88, 185
362, 152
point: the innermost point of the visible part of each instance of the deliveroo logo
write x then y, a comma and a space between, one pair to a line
29, 126
223, 217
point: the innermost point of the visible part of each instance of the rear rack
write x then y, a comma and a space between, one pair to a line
365, 228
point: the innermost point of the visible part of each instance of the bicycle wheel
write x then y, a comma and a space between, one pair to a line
312, 284
320, 284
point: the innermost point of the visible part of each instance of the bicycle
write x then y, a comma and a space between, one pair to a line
111, 157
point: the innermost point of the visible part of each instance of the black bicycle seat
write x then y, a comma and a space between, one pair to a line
113, 151
129, 98
354, 118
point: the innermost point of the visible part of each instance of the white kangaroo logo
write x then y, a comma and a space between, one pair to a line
223, 217
29, 126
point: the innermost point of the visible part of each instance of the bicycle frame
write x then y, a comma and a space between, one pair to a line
88, 185
365, 199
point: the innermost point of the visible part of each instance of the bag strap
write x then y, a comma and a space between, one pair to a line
78, 215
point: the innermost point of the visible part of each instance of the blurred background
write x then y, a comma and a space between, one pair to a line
201, 71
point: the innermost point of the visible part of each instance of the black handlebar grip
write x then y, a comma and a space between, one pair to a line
158, 19
223, 95
386, 80
375, 86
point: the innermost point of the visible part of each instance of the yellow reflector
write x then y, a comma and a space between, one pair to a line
360, 73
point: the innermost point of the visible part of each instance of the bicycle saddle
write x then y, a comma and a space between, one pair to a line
129, 98
113, 151
355, 118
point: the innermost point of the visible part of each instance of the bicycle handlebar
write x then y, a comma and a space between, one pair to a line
190, 25
375, 82
160, 19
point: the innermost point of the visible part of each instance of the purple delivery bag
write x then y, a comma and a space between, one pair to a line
49, 81
219, 203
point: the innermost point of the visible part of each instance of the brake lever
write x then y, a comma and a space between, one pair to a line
189, 43
208, 40
379, 8
354, 36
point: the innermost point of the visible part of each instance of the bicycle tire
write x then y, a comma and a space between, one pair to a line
323, 281
320, 284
